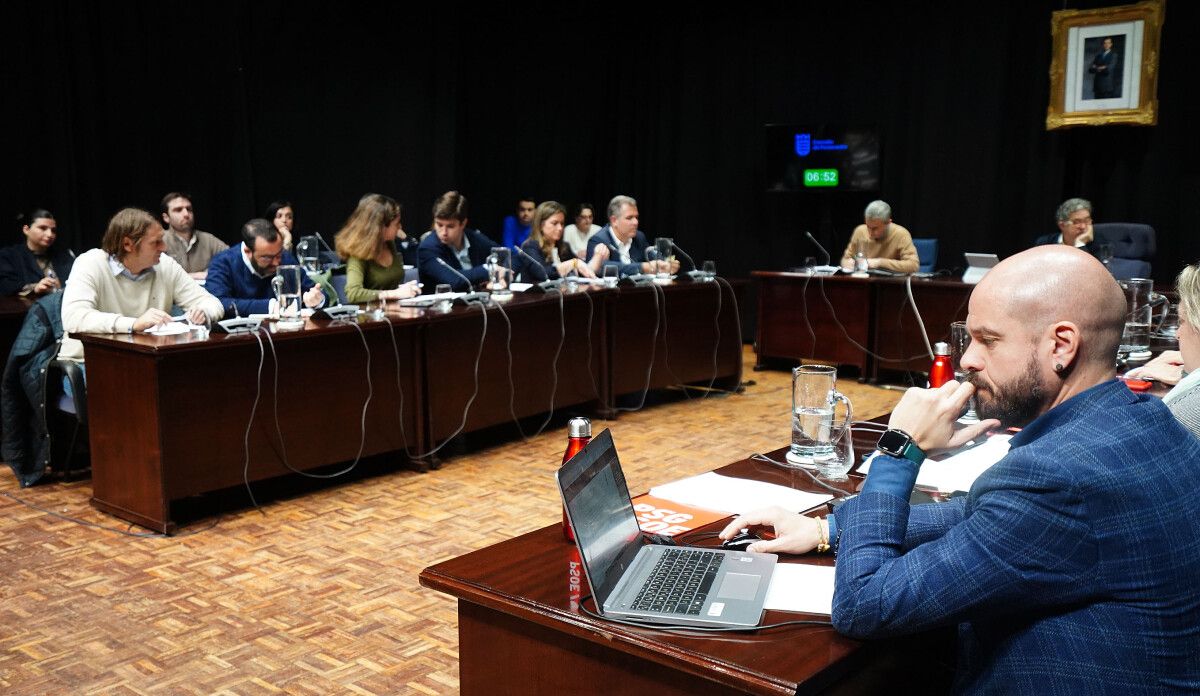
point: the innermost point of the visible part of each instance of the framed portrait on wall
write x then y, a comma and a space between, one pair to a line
1104, 66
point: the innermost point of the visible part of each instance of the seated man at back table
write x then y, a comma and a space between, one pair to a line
516, 227
1074, 217
1070, 566
128, 284
192, 248
623, 242
240, 277
462, 249
887, 246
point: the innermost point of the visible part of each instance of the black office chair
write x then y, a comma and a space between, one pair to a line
1133, 246
66, 417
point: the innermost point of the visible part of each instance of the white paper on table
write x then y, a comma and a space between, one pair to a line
801, 587
520, 287
169, 329
958, 471
736, 495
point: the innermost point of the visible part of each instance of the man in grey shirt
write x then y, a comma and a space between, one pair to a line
190, 247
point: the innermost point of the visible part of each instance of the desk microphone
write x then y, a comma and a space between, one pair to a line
538, 265
685, 255
828, 258
480, 297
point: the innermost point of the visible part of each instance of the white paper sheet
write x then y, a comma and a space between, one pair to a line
735, 495
801, 587
959, 471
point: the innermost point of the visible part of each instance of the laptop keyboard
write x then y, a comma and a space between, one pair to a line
679, 582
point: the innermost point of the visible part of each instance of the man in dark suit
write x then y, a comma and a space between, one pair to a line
1104, 67
1070, 566
626, 243
462, 249
1074, 217
240, 277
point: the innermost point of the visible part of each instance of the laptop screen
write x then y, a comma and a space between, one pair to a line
597, 501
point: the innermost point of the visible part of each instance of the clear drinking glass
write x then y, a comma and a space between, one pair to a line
814, 434
611, 275
709, 268
960, 339
665, 246
500, 262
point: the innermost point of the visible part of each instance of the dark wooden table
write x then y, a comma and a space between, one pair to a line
683, 333
168, 415
844, 320
534, 328
520, 631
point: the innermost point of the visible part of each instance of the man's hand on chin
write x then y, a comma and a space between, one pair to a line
930, 417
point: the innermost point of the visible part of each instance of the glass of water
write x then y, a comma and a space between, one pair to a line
709, 269
443, 291
814, 433
960, 340
611, 275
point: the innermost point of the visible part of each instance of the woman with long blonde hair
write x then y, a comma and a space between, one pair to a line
367, 243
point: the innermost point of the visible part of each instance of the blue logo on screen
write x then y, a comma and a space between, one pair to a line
803, 144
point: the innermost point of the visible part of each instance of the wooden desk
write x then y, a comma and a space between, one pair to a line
168, 415
698, 338
795, 321
520, 634
532, 333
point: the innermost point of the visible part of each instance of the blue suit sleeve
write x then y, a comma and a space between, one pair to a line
1025, 543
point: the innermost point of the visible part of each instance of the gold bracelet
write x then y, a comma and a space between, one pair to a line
822, 536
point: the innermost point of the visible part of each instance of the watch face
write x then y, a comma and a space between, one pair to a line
893, 442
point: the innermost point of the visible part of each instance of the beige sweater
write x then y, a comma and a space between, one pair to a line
97, 301
896, 249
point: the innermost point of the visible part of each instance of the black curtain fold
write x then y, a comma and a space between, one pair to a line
114, 104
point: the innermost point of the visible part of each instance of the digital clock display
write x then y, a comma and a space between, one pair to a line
820, 177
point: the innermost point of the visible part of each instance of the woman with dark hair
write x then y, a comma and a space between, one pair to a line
367, 243
35, 267
546, 246
578, 234
281, 215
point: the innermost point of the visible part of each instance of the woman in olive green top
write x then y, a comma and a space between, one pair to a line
367, 242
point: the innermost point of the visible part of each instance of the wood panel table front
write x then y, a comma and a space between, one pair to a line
168, 415
867, 323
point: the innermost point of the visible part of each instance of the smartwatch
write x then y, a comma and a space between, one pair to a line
898, 443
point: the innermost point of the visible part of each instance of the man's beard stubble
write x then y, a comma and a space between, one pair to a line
1014, 404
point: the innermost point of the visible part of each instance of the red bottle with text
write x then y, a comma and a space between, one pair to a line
579, 433
942, 370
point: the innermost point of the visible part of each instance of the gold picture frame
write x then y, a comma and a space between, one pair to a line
1104, 66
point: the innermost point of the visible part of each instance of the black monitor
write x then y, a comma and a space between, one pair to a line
818, 158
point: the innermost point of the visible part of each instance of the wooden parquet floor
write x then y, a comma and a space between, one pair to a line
318, 593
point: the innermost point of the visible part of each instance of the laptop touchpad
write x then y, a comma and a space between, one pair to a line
739, 586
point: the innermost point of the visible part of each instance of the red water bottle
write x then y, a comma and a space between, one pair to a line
942, 370
579, 433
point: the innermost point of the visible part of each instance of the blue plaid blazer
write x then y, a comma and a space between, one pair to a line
1072, 567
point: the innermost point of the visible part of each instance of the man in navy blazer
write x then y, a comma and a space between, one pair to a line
453, 244
240, 277
1071, 565
626, 243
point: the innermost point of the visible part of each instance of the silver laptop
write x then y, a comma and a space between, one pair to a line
681, 585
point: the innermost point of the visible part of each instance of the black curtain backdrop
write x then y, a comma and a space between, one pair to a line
114, 104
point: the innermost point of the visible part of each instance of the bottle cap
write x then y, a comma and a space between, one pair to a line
579, 427
941, 348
